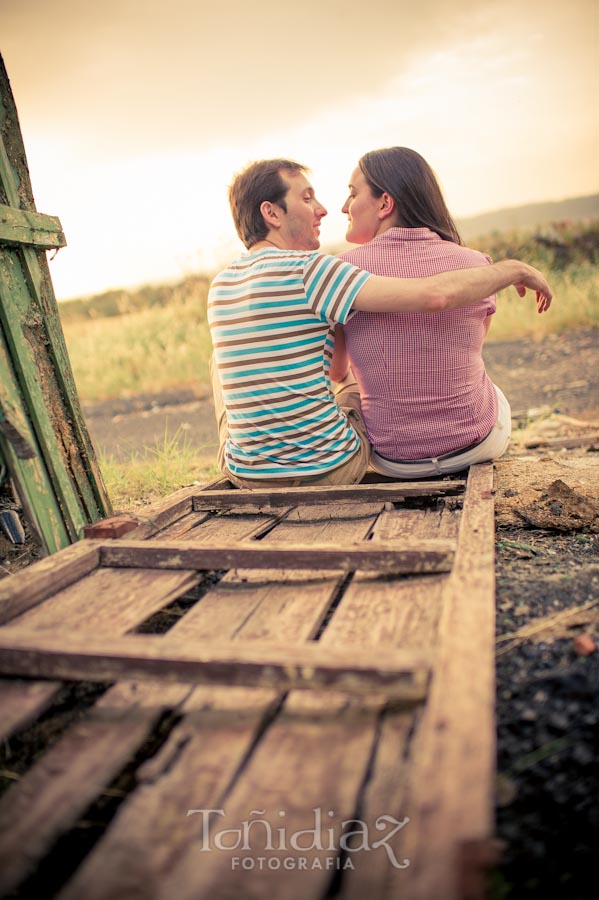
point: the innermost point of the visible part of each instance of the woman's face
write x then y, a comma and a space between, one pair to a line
362, 209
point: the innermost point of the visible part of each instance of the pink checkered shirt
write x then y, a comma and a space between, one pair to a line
424, 388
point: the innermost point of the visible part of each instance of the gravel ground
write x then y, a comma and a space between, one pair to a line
548, 717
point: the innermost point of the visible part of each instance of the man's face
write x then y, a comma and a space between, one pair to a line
300, 228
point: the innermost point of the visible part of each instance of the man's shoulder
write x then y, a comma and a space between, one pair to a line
274, 263
265, 258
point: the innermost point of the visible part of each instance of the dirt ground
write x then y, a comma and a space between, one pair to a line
547, 569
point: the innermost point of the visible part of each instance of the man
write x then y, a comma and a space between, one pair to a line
272, 315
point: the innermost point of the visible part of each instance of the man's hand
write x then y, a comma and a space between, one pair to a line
535, 281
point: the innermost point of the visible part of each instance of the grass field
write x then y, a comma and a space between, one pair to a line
154, 472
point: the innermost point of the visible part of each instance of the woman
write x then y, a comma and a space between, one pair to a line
429, 405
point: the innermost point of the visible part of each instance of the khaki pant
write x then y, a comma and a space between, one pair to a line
350, 472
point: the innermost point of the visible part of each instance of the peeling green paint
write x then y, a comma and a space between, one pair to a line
59, 483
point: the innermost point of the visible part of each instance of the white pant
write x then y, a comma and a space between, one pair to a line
492, 447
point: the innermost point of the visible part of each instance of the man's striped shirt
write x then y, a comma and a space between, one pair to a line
271, 316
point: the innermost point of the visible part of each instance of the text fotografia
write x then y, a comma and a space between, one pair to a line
355, 837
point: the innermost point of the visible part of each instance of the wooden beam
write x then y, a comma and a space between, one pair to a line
402, 674
400, 558
40, 377
19, 226
452, 804
46, 577
325, 494
27, 468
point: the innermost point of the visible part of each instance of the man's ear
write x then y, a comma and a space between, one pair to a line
270, 214
387, 205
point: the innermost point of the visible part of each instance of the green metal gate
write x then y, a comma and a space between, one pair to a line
44, 444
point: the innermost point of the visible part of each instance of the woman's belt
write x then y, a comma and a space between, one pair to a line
407, 462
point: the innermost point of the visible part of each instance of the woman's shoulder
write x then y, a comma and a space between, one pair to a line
412, 259
477, 257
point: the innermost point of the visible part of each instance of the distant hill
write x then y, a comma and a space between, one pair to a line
531, 215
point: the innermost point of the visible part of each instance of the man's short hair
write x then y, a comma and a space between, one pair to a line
258, 182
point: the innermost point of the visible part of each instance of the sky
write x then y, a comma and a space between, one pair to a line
136, 114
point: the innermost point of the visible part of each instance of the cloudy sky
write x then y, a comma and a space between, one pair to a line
136, 113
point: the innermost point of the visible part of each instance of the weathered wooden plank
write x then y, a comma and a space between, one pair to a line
152, 827
164, 513
425, 556
417, 524
565, 443
246, 524
372, 614
314, 757
46, 577
401, 674
209, 748
36, 491
153, 830
29, 227
386, 791
106, 602
297, 791
32, 329
73, 772
326, 494
120, 602
402, 612
452, 803
35, 374
22, 701
69, 776
287, 605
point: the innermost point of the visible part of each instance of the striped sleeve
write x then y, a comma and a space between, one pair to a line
331, 286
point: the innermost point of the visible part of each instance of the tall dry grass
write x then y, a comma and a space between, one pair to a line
157, 339
147, 351
568, 254
154, 472
575, 305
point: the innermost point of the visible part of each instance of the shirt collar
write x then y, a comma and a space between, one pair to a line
406, 234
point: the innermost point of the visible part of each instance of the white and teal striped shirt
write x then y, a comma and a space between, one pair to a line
272, 314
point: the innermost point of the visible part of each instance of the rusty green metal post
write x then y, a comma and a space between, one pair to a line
44, 442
